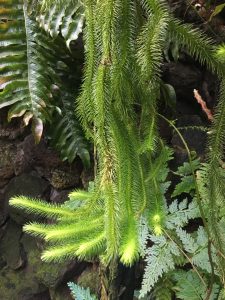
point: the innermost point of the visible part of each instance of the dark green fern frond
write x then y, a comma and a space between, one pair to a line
27, 66
215, 179
60, 17
66, 135
217, 136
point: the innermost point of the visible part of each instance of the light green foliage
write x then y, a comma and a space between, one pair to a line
80, 293
123, 58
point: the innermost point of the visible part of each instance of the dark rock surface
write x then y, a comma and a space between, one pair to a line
36, 171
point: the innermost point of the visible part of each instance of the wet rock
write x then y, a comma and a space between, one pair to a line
29, 295
184, 78
63, 292
64, 179
10, 249
59, 196
7, 159
31, 185
11, 130
87, 175
20, 285
3, 209
90, 279
51, 275
2, 263
192, 133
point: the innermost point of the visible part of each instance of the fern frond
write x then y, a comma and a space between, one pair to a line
80, 293
66, 135
60, 17
157, 265
180, 214
69, 231
66, 251
186, 185
159, 167
123, 67
85, 106
36, 229
95, 246
190, 287
27, 66
214, 177
217, 138
40, 208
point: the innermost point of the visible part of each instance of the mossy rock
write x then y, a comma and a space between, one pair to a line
10, 249
90, 279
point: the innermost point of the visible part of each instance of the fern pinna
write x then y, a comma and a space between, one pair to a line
124, 45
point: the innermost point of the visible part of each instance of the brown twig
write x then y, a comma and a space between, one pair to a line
203, 105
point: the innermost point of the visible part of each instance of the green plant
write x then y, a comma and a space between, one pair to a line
189, 258
117, 107
80, 293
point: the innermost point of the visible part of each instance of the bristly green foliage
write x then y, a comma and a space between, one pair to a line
80, 293
117, 108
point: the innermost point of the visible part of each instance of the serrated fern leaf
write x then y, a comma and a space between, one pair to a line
157, 265
66, 135
186, 185
187, 168
163, 289
60, 17
190, 287
26, 66
79, 293
180, 213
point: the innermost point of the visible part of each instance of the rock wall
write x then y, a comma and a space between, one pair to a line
36, 171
